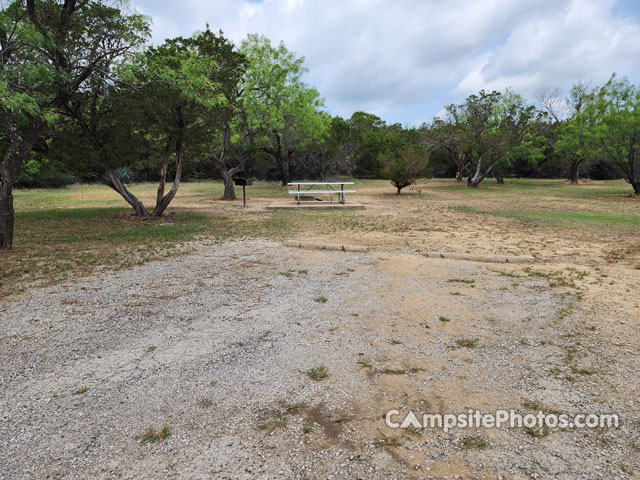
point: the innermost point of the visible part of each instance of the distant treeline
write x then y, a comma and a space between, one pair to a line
556, 139
84, 97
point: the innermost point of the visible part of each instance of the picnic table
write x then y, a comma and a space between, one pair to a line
331, 189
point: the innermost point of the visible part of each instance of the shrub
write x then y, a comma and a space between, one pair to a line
404, 167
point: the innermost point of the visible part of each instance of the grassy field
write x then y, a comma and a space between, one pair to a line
84, 228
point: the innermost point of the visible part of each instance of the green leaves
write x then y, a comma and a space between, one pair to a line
405, 165
282, 114
616, 111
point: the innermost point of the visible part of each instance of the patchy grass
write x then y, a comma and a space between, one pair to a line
53, 245
153, 436
388, 441
270, 426
75, 231
320, 300
393, 371
292, 407
461, 280
467, 342
474, 441
626, 469
536, 432
81, 391
318, 373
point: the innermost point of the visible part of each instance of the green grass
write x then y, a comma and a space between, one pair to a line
573, 218
70, 232
318, 373
474, 441
562, 219
153, 436
538, 187
51, 245
74, 231
467, 342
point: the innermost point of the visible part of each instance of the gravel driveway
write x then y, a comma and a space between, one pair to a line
215, 346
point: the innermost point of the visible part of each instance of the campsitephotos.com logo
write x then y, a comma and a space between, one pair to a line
500, 419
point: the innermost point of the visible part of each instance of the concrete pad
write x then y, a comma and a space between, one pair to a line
315, 205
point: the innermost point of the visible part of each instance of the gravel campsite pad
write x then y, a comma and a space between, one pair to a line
248, 359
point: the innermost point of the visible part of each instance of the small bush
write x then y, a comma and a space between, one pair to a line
404, 167
318, 373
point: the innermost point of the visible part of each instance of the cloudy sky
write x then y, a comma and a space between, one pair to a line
405, 59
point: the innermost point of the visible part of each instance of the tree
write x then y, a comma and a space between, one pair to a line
576, 142
404, 166
617, 108
330, 156
368, 140
279, 109
49, 50
447, 135
160, 99
224, 119
496, 129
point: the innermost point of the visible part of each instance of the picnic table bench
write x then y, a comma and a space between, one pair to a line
329, 190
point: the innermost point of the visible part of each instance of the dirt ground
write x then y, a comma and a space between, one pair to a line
220, 346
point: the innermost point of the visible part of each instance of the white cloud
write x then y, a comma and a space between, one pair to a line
583, 41
391, 57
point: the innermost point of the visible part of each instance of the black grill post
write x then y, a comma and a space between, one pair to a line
243, 182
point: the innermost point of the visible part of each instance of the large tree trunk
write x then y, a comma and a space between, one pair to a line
474, 180
574, 168
634, 169
225, 172
163, 203
113, 180
227, 176
163, 173
460, 163
229, 187
6, 218
285, 173
20, 145
280, 160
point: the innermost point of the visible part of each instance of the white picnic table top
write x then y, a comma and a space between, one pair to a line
296, 192
329, 191
321, 183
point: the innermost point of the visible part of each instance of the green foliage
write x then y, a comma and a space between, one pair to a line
493, 129
369, 140
617, 130
404, 166
48, 61
280, 111
577, 143
38, 171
